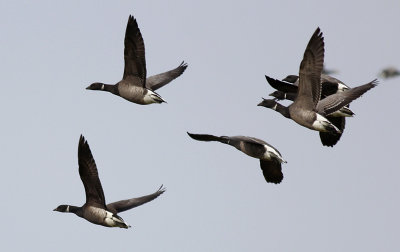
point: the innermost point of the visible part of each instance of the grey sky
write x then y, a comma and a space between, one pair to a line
344, 198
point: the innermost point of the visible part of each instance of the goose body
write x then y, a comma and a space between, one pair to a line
270, 158
134, 86
95, 209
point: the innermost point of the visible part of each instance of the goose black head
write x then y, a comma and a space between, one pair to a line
291, 78
278, 95
96, 86
62, 208
268, 103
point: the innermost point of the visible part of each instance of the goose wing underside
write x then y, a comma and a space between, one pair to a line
310, 72
134, 53
123, 205
89, 175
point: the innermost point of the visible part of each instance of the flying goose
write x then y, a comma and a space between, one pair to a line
328, 71
389, 72
270, 158
331, 107
302, 110
95, 209
134, 86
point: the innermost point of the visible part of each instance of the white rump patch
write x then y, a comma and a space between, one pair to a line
321, 123
269, 151
342, 87
102, 87
150, 97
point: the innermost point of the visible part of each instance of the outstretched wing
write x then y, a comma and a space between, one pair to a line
283, 86
207, 138
156, 81
338, 100
330, 138
272, 171
89, 175
134, 53
123, 205
310, 72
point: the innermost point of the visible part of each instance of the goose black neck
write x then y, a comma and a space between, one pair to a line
291, 96
110, 88
282, 109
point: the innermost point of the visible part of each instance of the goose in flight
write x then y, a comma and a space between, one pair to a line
95, 208
135, 86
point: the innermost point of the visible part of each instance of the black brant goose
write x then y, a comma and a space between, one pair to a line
95, 209
270, 158
329, 107
330, 85
302, 110
134, 86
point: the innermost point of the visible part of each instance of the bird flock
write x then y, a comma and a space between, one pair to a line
320, 102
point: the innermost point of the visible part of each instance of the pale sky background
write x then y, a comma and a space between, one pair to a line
344, 198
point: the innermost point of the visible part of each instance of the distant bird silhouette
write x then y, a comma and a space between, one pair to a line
134, 86
270, 158
95, 209
328, 71
389, 72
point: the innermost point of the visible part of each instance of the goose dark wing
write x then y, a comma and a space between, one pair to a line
282, 86
272, 171
123, 205
329, 138
336, 101
310, 72
207, 138
134, 53
294, 79
89, 175
156, 81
